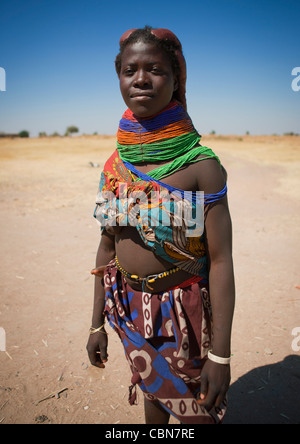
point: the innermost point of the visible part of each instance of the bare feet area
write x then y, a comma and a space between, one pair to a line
48, 246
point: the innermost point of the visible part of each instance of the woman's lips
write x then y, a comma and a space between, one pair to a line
141, 96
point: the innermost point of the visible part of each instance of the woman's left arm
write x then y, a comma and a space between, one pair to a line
215, 377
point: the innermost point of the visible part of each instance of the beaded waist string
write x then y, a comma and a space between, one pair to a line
147, 280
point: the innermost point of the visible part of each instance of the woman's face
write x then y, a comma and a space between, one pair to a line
147, 81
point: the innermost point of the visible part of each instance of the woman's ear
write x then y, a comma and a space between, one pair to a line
176, 83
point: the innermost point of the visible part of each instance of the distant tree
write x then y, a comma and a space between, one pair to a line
71, 129
247, 133
55, 134
42, 134
212, 133
24, 133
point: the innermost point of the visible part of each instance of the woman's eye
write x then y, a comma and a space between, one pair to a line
128, 71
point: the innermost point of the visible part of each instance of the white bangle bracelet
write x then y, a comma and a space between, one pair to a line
217, 359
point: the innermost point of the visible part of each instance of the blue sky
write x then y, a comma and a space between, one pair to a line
58, 56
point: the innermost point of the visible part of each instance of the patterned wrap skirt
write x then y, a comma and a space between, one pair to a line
166, 338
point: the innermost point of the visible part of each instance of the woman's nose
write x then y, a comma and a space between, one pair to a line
141, 78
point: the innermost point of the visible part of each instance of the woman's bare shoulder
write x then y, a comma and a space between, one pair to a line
211, 176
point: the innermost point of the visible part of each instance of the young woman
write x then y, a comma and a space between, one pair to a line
168, 291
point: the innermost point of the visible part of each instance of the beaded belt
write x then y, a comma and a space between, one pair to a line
147, 280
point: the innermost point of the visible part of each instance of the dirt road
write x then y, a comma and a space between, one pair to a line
49, 239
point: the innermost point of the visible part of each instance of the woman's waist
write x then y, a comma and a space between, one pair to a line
159, 282
144, 271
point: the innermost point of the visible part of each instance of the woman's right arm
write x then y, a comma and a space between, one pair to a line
97, 343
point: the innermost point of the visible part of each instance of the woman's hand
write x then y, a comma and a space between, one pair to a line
215, 380
97, 349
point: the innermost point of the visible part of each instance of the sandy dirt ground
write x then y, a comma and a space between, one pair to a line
48, 242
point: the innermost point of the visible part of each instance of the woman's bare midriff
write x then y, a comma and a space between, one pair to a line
136, 259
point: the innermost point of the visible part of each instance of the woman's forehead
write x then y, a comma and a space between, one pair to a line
144, 52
